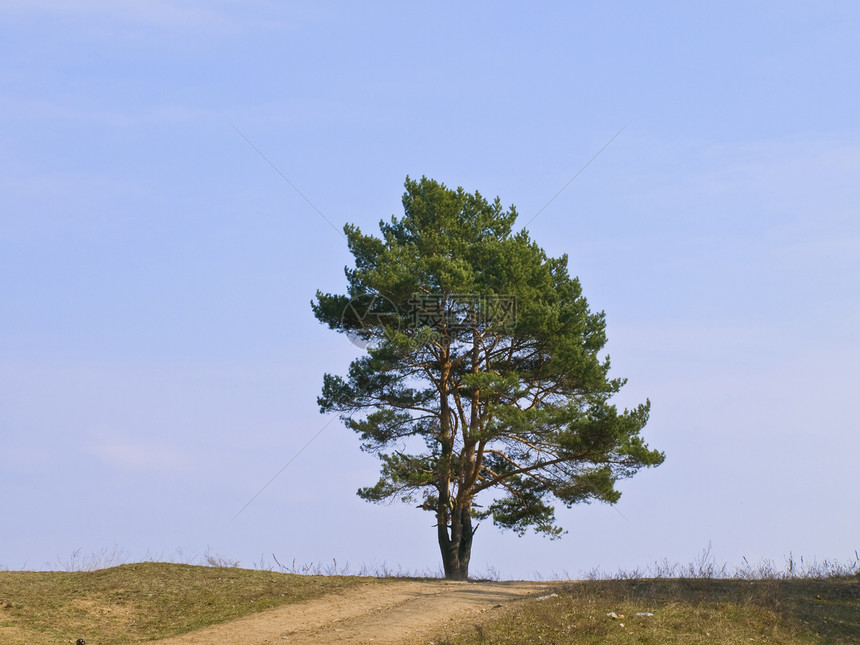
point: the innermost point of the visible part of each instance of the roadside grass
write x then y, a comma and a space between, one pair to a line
800, 604
678, 611
698, 603
144, 601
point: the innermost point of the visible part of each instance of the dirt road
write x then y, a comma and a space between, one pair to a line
387, 614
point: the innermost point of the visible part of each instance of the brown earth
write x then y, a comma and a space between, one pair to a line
387, 614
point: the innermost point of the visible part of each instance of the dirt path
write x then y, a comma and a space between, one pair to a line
386, 614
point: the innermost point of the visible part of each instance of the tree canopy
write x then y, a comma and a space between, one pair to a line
483, 389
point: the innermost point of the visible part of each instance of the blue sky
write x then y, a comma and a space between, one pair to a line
159, 361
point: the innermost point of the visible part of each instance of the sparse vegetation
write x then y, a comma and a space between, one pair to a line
679, 611
800, 603
144, 601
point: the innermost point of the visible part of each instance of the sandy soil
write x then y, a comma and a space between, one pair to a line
394, 613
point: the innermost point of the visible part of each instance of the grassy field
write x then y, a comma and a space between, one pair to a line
685, 610
144, 601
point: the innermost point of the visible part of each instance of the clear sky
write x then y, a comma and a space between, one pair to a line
159, 361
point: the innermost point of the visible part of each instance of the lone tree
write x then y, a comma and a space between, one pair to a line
482, 379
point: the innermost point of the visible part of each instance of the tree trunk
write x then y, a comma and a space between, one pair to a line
455, 542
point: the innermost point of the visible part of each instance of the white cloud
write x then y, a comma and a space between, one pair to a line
162, 12
63, 109
784, 188
131, 454
216, 17
46, 202
17, 456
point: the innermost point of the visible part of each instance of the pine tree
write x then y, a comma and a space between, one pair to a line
483, 379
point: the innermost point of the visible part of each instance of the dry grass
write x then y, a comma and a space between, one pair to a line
144, 601
686, 610
801, 603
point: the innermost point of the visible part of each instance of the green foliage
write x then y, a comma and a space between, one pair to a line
483, 376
